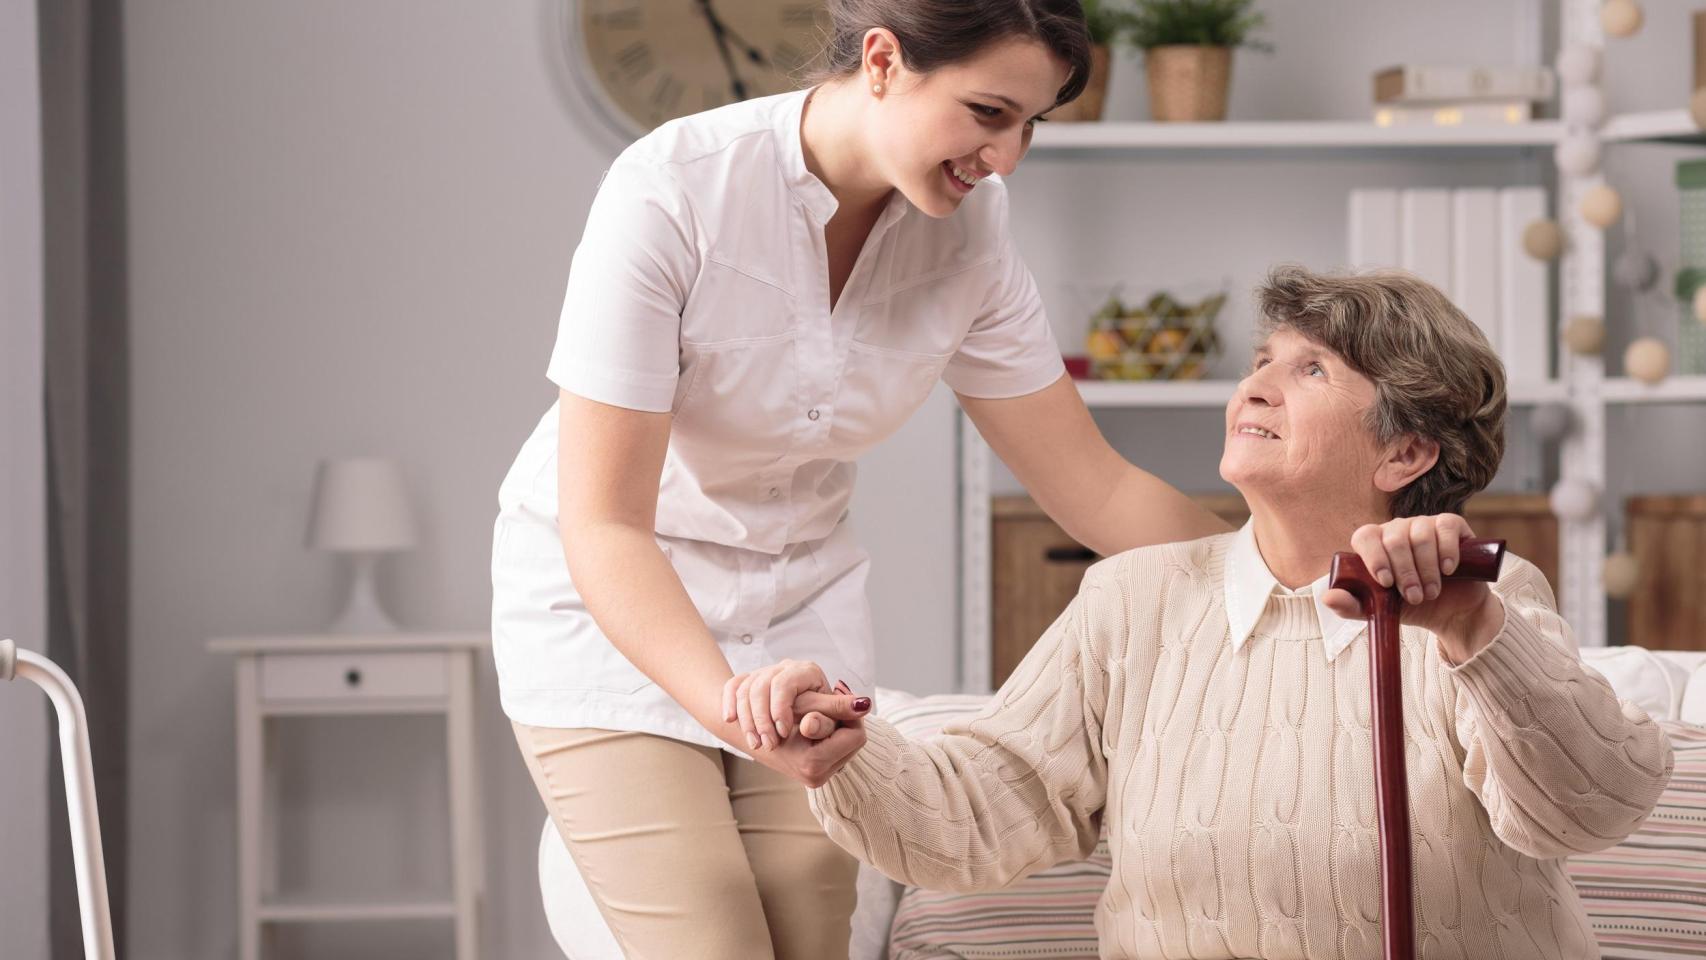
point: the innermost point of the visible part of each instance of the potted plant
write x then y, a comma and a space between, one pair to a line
1187, 50
1107, 20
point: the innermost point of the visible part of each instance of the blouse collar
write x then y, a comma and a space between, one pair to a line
811, 191
1249, 585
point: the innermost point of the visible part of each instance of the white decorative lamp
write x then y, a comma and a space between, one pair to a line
361, 507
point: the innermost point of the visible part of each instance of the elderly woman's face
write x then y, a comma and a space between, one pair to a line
1296, 424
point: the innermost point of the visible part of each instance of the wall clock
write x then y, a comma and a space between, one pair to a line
644, 62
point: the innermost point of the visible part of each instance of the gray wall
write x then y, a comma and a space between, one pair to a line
351, 226
24, 709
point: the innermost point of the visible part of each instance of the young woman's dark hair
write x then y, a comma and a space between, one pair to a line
935, 33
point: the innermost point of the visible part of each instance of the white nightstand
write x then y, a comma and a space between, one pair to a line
408, 673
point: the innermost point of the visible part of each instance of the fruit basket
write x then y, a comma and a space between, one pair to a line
1160, 338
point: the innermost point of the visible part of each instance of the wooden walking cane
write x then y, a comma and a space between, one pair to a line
1479, 560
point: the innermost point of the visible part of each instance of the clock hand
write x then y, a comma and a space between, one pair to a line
720, 33
752, 53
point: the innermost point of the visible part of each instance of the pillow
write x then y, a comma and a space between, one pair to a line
1693, 708
1049, 915
1652, 682
1646, 897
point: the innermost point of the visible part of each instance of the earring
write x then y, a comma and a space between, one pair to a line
876, 88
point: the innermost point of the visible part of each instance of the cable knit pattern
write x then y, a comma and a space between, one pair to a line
1239, 784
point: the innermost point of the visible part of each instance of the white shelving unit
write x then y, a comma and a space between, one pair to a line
1065, 139
1580, 381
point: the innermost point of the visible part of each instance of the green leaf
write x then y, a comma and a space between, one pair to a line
1215, 23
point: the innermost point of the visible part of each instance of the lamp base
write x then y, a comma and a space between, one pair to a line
362, 612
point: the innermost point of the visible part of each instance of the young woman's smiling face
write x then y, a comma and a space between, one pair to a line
963, 121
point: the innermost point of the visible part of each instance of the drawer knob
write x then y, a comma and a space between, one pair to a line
352, 677
1069, 555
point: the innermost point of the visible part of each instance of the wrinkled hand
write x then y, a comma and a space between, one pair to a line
1416, 553
794, 722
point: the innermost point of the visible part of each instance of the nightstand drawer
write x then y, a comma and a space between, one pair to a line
342, 676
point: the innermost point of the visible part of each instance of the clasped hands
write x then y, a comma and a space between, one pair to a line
796, 722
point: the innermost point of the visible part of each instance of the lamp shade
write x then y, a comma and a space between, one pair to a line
360, 504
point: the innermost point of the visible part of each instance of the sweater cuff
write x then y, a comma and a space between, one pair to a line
868, 773
1519, 660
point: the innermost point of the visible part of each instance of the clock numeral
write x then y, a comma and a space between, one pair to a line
629, 17
635, 59
667, 92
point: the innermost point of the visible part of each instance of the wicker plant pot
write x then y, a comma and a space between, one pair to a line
1088, 106
1187, 84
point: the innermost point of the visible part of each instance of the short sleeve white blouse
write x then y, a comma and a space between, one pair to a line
700, 288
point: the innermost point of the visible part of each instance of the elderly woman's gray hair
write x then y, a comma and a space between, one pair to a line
1434, 373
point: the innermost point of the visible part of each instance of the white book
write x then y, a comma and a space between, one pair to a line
1424, 235
1372, 234
1525, 339
1475, 258
1421, 83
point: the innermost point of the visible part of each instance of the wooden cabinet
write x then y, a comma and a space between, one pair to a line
1667, 535
1037, 567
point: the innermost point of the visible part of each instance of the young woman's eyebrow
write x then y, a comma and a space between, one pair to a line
1012, 105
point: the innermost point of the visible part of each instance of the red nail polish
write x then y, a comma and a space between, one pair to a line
862, 704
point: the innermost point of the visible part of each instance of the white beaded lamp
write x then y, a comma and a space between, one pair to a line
1551, 421
1621, 574
1585, 334
1573, 499
1647, 359
361, 507
1621, 18
1601, 206
1578, 154
1543, 239
1636, 269
1578, 65
1584, 107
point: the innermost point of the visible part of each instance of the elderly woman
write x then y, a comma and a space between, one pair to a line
1208, 701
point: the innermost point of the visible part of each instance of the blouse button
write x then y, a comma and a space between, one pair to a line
746, 638
811, 414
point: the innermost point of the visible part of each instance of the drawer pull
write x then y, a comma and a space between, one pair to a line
1069, 555
352, 677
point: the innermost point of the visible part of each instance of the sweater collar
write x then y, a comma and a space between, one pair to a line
1250, 584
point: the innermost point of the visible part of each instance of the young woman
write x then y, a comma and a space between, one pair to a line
763, 292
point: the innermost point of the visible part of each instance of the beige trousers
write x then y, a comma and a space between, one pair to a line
690, 851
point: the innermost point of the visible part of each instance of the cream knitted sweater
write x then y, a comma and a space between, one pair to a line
1238, 785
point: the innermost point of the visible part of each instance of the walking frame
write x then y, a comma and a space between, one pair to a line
79, 791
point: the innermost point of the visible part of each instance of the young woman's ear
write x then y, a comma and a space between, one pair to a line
881, 60
1409, 457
